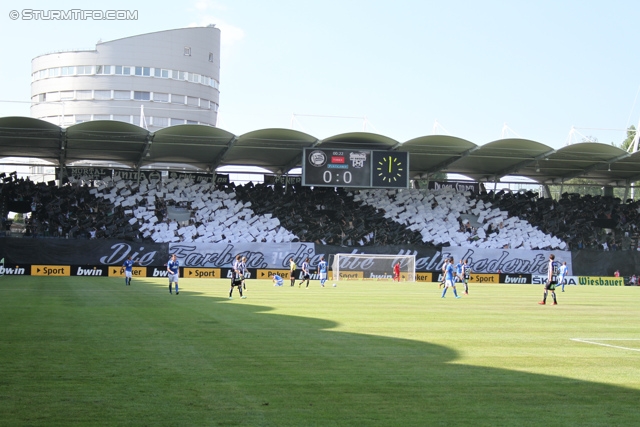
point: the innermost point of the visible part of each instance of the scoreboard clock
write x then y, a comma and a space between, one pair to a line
355, 168
390, 169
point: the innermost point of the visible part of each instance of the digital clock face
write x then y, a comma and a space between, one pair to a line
337, 168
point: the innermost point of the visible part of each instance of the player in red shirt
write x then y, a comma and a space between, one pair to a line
396, 272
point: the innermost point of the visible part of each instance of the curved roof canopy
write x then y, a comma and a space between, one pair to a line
205, 148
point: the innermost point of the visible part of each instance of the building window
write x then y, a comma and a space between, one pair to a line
54, 72
42, 97
84, 69
205, 103
192, 101
210, 56
142, 96
121, 94
81, 118
66, 94
53, 96
192, 122
123, 71
143, 71
178, 99
177, 122
160, 97
101, 117
83, 94
179, 75
160, 121
187, 51
161, 72
67, 71
103, 69
102, 94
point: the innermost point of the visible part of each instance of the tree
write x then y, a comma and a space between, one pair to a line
631, 133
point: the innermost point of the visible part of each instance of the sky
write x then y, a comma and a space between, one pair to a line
403, 69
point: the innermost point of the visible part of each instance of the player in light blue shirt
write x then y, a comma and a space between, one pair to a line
322, 271
449, 279
173, 267
562, 273
277, 280
127, 269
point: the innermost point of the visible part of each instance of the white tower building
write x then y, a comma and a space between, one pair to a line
155, 80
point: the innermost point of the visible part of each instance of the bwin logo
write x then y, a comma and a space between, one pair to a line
520, 280
161, 273
89, 272
18, 271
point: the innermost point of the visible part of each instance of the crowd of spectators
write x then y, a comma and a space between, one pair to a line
69, 211
583, 222
325, 215
322, 215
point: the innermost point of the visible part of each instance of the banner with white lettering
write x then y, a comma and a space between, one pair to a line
195, 178
460, 186
282, 179
508, 260
132, 175
18, 252
81, 251
259, 255
88, 173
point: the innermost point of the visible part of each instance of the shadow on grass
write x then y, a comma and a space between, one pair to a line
203, 361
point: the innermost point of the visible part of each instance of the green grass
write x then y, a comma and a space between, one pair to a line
90, 351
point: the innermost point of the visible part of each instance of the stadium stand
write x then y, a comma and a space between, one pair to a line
180, 211
326, 215
594, 222
436, 214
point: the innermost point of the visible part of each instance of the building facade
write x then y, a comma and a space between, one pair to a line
151, 80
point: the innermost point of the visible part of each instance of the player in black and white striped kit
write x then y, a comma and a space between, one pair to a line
236, 277
305, 273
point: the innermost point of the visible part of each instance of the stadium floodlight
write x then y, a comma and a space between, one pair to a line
373, 267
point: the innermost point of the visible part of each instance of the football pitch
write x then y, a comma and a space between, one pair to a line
92, 351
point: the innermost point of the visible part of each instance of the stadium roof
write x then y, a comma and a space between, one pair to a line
205, 149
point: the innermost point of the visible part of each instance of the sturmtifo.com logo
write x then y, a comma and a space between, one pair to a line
74, 15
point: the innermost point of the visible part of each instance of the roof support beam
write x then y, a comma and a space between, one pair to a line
596, 166
633, 178
297, 159
62, 159
145, 152
216, 162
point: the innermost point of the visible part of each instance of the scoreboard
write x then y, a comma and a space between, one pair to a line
334, 167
